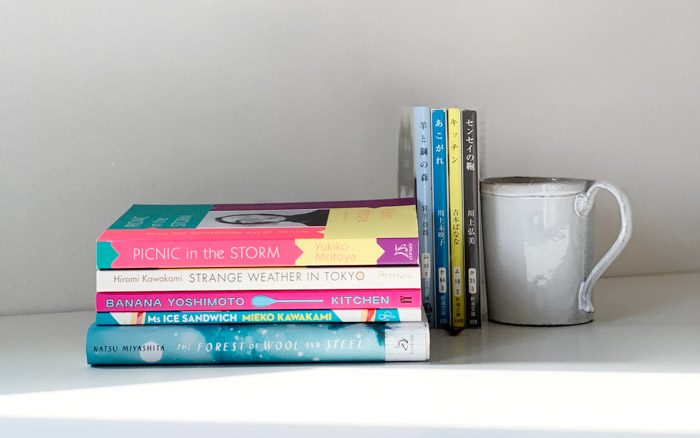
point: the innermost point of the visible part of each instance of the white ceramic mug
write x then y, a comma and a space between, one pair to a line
538, 248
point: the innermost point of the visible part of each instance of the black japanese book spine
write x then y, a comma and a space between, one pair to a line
472, 215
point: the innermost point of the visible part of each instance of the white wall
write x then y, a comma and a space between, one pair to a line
103, 104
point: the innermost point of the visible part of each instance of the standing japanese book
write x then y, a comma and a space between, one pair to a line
407, 172
441, 225
419, 137
472, 246
454, 134
415, 179
422, 153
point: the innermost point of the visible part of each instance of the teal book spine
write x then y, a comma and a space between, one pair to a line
257, 343
441, 224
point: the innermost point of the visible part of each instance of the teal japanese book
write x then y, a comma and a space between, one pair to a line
441, 225
257, 343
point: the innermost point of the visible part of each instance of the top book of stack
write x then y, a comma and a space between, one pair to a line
336, 233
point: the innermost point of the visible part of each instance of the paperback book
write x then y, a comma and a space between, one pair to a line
206, 279
416, 179
454, 133
255, 300
404, 314
441, 224
472, 215
340, 233
255, 343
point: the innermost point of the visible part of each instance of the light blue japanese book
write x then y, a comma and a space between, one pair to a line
255, 343
415, 150
423, 157
441, 225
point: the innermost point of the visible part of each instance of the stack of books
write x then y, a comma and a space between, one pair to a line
439, 166
291, 282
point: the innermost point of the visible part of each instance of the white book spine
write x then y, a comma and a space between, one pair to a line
223, 279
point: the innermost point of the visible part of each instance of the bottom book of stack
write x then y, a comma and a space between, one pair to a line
255, 343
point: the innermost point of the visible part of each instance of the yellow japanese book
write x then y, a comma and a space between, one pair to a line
454, 133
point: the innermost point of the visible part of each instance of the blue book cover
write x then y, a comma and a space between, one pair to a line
423, 157
441, 226
257, 343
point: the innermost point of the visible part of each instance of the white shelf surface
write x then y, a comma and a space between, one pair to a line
633, 371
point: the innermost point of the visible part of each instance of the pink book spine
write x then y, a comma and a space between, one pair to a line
140, 249
257, 300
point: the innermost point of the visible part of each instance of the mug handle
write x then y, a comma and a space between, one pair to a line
583, 205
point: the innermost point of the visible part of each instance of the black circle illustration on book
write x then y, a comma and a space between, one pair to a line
310, 219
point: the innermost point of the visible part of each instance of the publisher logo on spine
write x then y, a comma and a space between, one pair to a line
404, 250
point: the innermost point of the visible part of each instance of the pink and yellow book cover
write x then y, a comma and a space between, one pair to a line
336, 233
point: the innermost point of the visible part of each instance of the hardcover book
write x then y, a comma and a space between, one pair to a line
339, 233
404, 314
230, 343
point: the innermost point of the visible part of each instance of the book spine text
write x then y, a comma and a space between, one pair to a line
260, 316
372, 277
252, 300
197, 252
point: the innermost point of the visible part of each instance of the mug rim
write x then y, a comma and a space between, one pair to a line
534, 186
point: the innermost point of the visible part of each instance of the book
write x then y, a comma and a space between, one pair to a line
406, 173
416, 179
255, 343
336, 233
471, 217
256, 300
440, 218
205, 279
260, 316
422, 152
454, 134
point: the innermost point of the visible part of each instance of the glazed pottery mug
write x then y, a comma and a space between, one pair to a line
538, 248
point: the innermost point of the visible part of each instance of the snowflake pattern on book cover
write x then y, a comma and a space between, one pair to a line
229, 343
